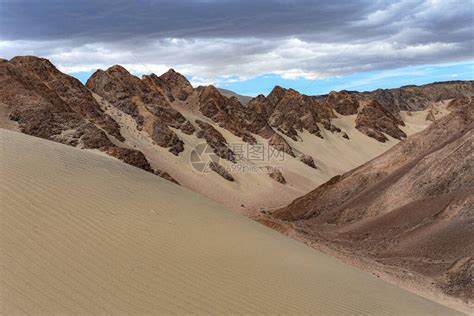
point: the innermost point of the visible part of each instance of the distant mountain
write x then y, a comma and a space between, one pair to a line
259, 155
228, 93
411, 208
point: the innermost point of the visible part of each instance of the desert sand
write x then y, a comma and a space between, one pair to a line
85, 233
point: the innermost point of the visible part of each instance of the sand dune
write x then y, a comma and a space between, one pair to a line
84, 233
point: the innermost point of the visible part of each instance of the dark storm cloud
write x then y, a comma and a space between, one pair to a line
212, 38
114, 20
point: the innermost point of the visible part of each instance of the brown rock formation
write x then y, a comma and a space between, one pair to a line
143, 100
405, 208
343, 102
130, 156
240, 120
414, 98
291, 112
188, 128
68, 89
277, 176
243, 99
166, 176
308, 160
51, 105
217, 168
215, 139
176, 85
278, 142
374, 120
458, 102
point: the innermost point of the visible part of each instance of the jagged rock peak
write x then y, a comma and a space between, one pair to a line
278, 89
277, 176
343, 102
209, 92
118, 69
276, 94
41, 67
31, 60
177, 84
210, 89
172, 76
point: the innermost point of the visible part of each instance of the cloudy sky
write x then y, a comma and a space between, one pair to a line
250, 46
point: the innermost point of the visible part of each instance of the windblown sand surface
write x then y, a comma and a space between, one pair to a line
84, 233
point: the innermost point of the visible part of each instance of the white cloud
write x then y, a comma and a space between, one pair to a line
209, 59
301, 40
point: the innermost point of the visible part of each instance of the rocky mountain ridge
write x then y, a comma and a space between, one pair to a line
406, 208
156, 122
49, 104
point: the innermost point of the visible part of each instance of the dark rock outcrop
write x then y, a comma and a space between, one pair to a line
188, 128
217, 168
165, 175
374, 120
290, 112
130, 156
175, 85
215, 139
279, 143
308, 160
49, 104
240, 120
142, 100
68, 89
277, 176
343, 102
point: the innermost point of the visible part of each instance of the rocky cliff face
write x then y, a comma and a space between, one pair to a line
343, 102
405, 208
144, 101
375, 121
215, 139
173, 84
290, 112
49, 104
